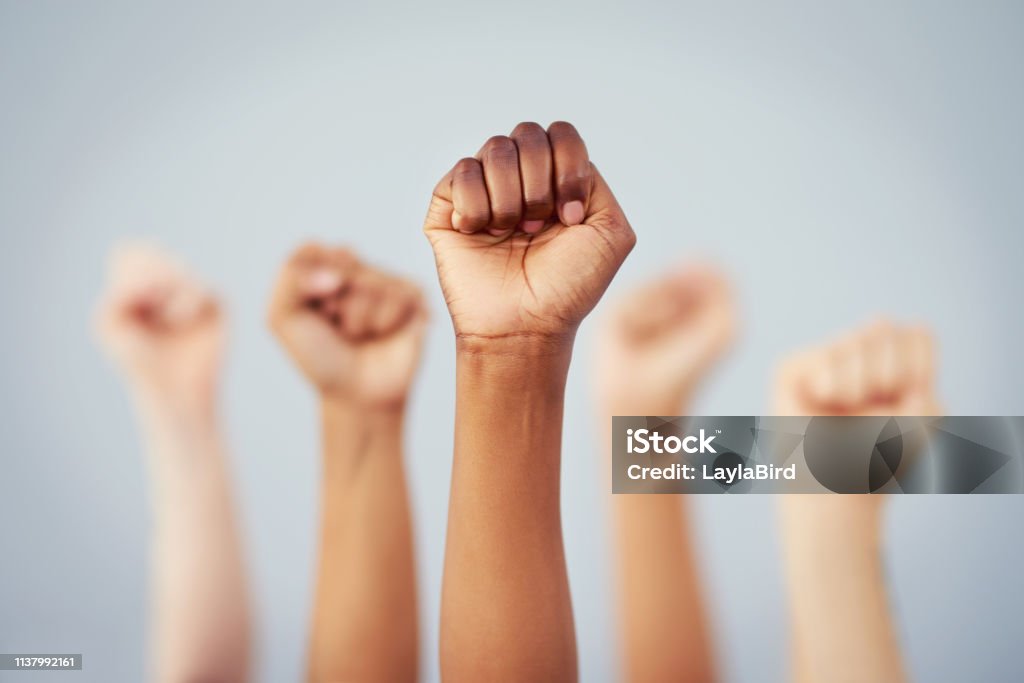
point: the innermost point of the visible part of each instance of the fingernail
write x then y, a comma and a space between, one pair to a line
572, 213
531, 227
323, 280
494, 232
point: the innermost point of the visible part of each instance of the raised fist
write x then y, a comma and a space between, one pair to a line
842, 627
526, 236
355, 332
162, 326
882, 369
661, 340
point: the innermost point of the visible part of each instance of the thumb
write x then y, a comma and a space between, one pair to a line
439, 213
304, 278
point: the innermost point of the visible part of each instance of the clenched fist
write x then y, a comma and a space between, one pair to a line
354, 331
882, 369
162, 327
661, 340
526, 236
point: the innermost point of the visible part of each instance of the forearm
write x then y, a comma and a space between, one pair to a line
201, 613
661, 604
365, 621
843, 629
506, 609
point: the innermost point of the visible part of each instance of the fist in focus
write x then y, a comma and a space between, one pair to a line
882, 369
162, 327
661, 340
526, 236
354, 331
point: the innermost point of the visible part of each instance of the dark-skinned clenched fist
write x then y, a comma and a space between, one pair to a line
526, 236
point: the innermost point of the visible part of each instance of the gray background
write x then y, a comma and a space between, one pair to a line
842, 161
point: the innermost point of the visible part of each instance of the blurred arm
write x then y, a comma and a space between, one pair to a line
842, 627
364, 621
661, 604
201, 613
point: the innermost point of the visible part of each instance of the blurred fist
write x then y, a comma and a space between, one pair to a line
526, 236
661, 340
355, 332
162, 326
882, 369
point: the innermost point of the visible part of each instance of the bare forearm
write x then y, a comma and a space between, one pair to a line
506, 609
843, 629
365, 622
201, 612
661, 604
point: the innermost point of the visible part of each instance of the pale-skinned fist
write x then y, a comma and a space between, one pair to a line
526, 236
162, 327
661, 339
355, 332
882, 369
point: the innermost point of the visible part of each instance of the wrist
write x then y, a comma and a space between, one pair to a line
353, 433
848, 521
513, 365
524, 345
363, 400
352, 414
193, 416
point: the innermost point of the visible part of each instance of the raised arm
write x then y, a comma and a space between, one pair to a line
655, 348
165, 331
526, 237
356, 334
842, 624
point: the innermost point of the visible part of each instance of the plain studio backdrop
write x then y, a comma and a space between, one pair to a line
840, 162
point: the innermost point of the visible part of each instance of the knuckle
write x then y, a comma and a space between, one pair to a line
466, 167
528, 130
499, 148
562, 128
307, 250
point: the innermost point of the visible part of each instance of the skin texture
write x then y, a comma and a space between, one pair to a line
526, 237
655, 348
165, 332
842, 625
356, 334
